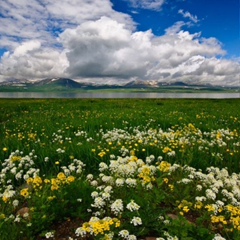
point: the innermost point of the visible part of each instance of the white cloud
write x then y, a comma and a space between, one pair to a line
29, 60
105, 48
188, 15
24, 20
147, 4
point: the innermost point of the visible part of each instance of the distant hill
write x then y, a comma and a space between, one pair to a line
58, 82
67, 84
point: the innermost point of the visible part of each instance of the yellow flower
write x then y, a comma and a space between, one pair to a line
165, 180
24, 192
15, 158
164, 166
70, 179
5, 149
166, 150
37, 182
61, 176
55, 184
51, 198
198, 205
47, 181
218, 219
29, 181
185, 209
5, 199
102, 154
210, 208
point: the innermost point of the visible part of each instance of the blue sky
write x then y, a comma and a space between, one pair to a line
215, 18
195, 41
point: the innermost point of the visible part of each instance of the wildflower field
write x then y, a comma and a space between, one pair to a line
119, 169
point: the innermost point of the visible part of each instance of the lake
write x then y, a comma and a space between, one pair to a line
118, 95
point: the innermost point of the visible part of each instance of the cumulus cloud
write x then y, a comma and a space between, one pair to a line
44, 19
29, 60
106, 48
103, 48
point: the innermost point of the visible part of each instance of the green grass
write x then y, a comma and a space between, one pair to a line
42, 137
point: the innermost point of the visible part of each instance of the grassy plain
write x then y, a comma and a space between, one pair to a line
57, 162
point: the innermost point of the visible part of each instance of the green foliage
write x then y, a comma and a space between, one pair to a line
43, 142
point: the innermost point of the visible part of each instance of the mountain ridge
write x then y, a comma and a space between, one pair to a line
70, 84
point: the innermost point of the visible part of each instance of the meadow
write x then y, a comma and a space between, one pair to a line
119, 169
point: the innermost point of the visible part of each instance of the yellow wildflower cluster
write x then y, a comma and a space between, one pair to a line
100, 226
35, 182
16, 158
164, 166
218, 219
210, 208
167, 150
102, 154
184, 206
198, 205
191, 128
32, 136
60, 180
235, 216
146, 175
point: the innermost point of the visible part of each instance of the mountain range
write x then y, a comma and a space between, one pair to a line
61, 84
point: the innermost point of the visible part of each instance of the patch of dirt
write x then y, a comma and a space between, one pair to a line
65, 230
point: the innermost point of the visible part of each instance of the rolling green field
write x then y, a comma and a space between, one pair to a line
119, 169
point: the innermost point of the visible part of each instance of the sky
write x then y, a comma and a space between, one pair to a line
194, 41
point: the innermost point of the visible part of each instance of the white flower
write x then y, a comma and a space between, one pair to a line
131, 182
89, 177
94, 183
15, 203
185, 181
26, 215
200, 199
132, 206
103, 166
107, 179
17, 219
136, 221
166, 222
94, 194
123, 233
59, 150
49, 234
199, 187
80, 232
117, 206
218, 237
132, 237
18, 176
106, 195
108, 189
98, 202
210, 194
120, 182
